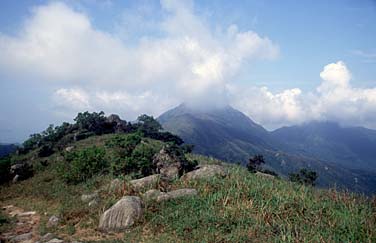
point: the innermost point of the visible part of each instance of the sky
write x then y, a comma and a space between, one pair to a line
280, 62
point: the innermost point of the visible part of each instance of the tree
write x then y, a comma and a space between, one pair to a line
92, 122
304, 176
255, 163
148, 125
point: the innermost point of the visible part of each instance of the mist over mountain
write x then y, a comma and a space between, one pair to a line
341, 156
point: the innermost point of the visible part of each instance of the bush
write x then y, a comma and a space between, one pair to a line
4, 169
255, 163
46, 150
304, 176
84, 164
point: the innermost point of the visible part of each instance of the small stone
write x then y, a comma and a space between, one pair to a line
93, 203
89, 197
53, 221
55, 241
16, 178
23, 237
116, 185
69, 148
47, 237
26, 214
145, 183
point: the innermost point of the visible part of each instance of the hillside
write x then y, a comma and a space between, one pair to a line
239, 208
72, 188
229, 135
6, 149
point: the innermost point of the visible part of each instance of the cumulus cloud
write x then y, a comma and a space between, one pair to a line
334, 100
188, 61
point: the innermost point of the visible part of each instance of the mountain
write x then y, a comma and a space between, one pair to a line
230, 135
352, 147
6, 149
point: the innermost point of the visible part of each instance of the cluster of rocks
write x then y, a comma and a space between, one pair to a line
130, 209
20, 171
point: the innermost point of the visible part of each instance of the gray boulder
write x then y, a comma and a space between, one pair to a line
152, 195
186, 192
122, 215
206, 171
145, 183
167, 164
55, 240
115, 185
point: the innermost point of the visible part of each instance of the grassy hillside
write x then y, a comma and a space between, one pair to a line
239, 208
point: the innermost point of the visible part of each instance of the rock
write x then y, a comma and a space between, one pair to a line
268, 176
69, 148
89, 197
27, 214
93, 203
205, 172
176, 194
22, 170
145, 183
116, 185
167, 164
47, 237
53, 221
118, 124
122, 215
23, 237
152, 195
16, 178
55, 240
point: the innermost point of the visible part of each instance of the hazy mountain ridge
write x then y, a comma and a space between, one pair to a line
6, 149
230, 135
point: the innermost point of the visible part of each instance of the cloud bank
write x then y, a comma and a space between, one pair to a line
333, 100
184, 59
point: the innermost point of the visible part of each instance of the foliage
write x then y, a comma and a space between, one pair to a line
83, 164
94, 122
304, 176
45, 150
255, 163
147, 125
4, 169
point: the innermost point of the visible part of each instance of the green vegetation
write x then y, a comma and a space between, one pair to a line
4, 169
82, 165
306, 177
241, 207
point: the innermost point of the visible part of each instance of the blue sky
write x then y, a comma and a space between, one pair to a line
281, 66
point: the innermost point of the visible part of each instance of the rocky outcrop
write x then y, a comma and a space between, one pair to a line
205, 172
145, 183
122, 215
118, 124
167, 164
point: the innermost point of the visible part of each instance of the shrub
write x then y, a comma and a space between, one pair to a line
46, 150
4, 169
304, 176
83, 164
255, 163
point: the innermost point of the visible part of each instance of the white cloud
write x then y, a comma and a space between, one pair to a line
188, 61
334, 100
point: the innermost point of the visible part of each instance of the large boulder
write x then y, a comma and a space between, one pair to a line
145, 182
122, 215
205, 172
118, 124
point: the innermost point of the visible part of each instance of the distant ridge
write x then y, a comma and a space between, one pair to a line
228, 134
